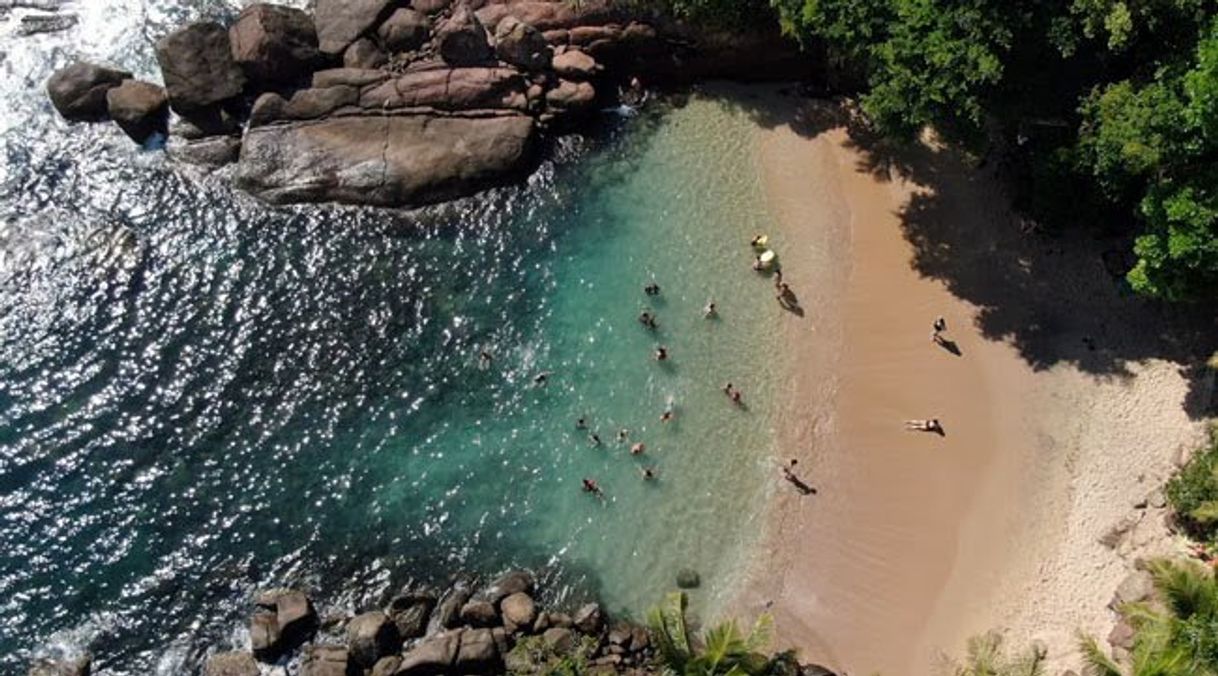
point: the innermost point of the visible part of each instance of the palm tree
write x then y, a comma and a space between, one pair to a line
722, 651
1178, 639
985, 657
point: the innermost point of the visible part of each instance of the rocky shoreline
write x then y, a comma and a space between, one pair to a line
394, 103
496, 629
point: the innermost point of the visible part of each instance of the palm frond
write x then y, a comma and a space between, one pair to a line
1096, 662
762, 634
1206, 512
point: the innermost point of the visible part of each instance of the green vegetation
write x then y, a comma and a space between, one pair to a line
1193, 493
721, 651
986, 657
1177, 637
539, 657
1104, 112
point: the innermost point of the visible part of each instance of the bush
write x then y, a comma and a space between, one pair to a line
1193, 493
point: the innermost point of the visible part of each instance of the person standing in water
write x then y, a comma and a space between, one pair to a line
710, 311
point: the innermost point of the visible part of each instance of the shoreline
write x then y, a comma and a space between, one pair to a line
916, 542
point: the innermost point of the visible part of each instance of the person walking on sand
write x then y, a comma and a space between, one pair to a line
938, 327
788, 473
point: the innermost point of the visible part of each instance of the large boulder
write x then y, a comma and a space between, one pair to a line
432, 657
410, 613
284, 620
198, 67
325, 660
455, 89
385, 161
478, 653
519, 611
575, 65
274, 44
405, 30
233, 663
341, 22
479, 614
520, 44
364, 54
462, 39
79, 91
511, 582
448, 613
370, 637
588, 619
141, 109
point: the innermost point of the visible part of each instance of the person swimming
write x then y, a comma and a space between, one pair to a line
648, 473
646, 318
622, 435
590, 486
638, 449
661, 353
667, 416
737, 397
652, 288
710, 311
581, 424
594, 439
541, 378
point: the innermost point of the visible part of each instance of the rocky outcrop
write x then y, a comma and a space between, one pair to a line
285, 619
410, 613
385, 161
79, 91
370, 637
274, 45
435, 99
198, 67
141, 109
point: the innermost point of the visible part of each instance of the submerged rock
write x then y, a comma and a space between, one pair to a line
389, 161
79, 91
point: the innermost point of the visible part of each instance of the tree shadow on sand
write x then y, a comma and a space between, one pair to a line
1054, 297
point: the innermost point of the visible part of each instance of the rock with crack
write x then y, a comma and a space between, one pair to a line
388, 161
450, 89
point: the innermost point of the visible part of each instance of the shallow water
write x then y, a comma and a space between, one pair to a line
201, 395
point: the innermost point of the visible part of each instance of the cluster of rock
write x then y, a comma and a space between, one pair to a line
390, 102
499, 629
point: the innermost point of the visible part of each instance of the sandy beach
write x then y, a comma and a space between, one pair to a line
1064, 405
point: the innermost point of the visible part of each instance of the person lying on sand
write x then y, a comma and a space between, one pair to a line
931, 425
638, 449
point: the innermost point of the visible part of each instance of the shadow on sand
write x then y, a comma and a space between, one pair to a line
1051, 296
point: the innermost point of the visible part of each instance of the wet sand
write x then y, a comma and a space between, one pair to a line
915, 540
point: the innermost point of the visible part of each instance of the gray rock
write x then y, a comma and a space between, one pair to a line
518, 611
79, 91
561, 641
264, 636
477, 653
371, 636
405, 30
688, 578
231, 664
588, 619
325, 660
479, 614
385, 161
511, 582
340, 22
198, 67
274, 44
448, 614
364, 53
462, 39
574, 64
433, 656
1122, 635
410, 613
1137, 586
78, 666
570, 96
212, 152
520, 44
140, 109
1157, 499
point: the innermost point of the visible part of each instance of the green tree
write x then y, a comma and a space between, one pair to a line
985, 656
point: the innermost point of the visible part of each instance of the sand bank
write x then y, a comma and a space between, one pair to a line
1064, 405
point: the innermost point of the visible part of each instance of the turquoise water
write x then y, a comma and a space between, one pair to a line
201, 396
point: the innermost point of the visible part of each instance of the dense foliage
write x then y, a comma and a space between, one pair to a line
1176, 635
1193, 493
722, 650
1106, 111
